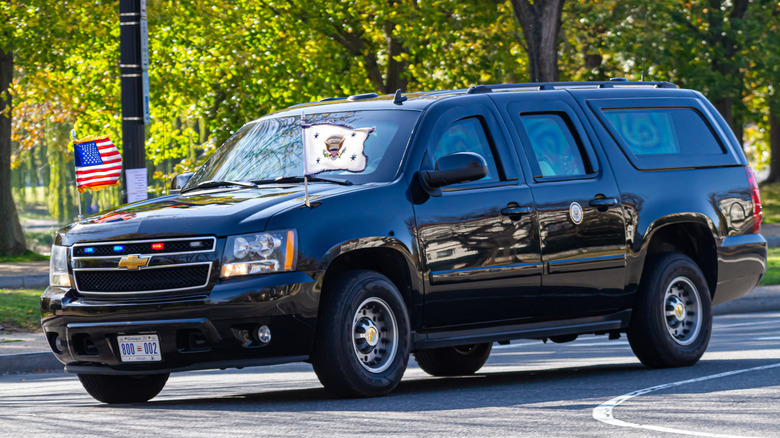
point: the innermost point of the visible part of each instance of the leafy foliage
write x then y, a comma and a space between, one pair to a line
217, 64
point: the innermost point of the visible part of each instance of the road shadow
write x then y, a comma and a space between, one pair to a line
493, 389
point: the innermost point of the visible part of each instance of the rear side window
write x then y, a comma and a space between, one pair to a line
658, 131
554, 146
656, 138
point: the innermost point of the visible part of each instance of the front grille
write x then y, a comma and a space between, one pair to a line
144, 268
167, 246
146, 280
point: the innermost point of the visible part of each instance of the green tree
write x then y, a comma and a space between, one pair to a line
696, 44
11, 236
541, 24
763, 77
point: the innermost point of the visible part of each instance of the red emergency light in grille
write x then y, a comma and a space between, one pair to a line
158, 246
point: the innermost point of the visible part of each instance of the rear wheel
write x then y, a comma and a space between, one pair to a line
453, 361
123, 389
672, 321
363, 341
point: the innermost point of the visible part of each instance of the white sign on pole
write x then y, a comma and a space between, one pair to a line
144, 38
136, 184
145, 91
144, 34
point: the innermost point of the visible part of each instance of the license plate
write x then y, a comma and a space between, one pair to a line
139, 348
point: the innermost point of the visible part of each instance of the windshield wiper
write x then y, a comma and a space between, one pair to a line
214, 184
294, 179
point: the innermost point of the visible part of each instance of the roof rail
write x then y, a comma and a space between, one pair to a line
612, 83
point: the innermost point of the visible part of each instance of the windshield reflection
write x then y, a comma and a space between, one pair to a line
271, 148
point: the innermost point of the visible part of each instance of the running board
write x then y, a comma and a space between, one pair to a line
595, 324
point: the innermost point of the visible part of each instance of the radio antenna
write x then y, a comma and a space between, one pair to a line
644, 42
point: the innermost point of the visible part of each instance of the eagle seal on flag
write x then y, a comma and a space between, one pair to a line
328, 146
98, 163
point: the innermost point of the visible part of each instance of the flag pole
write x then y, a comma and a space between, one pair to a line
78, 196
305, 176
78, 193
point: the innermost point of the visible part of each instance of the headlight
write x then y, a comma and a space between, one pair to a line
58, 266
259, 253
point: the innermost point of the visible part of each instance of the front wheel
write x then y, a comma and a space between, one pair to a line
672, 321
123, 389
363, 341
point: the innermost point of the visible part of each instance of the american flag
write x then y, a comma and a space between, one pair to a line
98, 163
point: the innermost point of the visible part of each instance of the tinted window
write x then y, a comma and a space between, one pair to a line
661, 131
554, 146
665, 132
466, 135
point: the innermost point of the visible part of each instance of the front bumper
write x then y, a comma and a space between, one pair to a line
215, 331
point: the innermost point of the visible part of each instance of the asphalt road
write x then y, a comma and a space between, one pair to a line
590, 387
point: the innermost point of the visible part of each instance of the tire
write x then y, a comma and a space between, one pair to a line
123, 389
453, 361
363, 339
672, 320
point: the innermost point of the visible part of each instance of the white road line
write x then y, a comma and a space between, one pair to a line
603, 412
745, 324
768, 338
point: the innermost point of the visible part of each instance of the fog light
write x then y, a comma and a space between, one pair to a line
58, 345
264, 334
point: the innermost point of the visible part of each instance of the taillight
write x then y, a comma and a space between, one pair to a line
756, 196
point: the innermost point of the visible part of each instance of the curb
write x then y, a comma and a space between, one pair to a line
24, 281
29, 363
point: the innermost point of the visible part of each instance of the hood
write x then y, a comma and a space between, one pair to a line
215, 212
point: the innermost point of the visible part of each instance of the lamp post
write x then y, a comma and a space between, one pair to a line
134, 65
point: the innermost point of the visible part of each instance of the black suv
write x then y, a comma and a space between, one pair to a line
352, 232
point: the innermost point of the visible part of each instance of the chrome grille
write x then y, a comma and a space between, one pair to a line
102, 272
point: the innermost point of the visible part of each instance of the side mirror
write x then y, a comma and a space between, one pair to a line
180, 181
454, 168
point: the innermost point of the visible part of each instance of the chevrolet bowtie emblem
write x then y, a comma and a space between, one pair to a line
133, 262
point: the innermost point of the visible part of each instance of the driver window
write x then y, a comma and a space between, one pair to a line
466, 135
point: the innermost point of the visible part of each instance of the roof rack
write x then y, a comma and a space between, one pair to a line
612, 83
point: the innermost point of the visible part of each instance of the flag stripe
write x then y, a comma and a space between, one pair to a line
103, 168
99, 184
81, 177
92, 182
112, 174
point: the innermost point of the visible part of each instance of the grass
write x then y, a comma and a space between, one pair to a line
29, 256
20, 309
772, 275
770, 200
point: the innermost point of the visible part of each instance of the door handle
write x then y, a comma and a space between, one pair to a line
603, 202
515, 211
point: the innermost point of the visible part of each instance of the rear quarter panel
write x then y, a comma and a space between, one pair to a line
717, 198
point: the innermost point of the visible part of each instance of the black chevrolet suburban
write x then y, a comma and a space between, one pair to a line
353, 232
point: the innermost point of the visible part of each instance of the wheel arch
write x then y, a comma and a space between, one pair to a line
385, 255
692, 235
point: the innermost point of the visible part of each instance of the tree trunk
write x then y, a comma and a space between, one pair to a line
11, 236
774, 147
541, 24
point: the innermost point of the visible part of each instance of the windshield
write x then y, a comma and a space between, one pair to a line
357, 146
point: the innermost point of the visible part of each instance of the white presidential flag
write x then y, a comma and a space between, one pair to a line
328, 146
